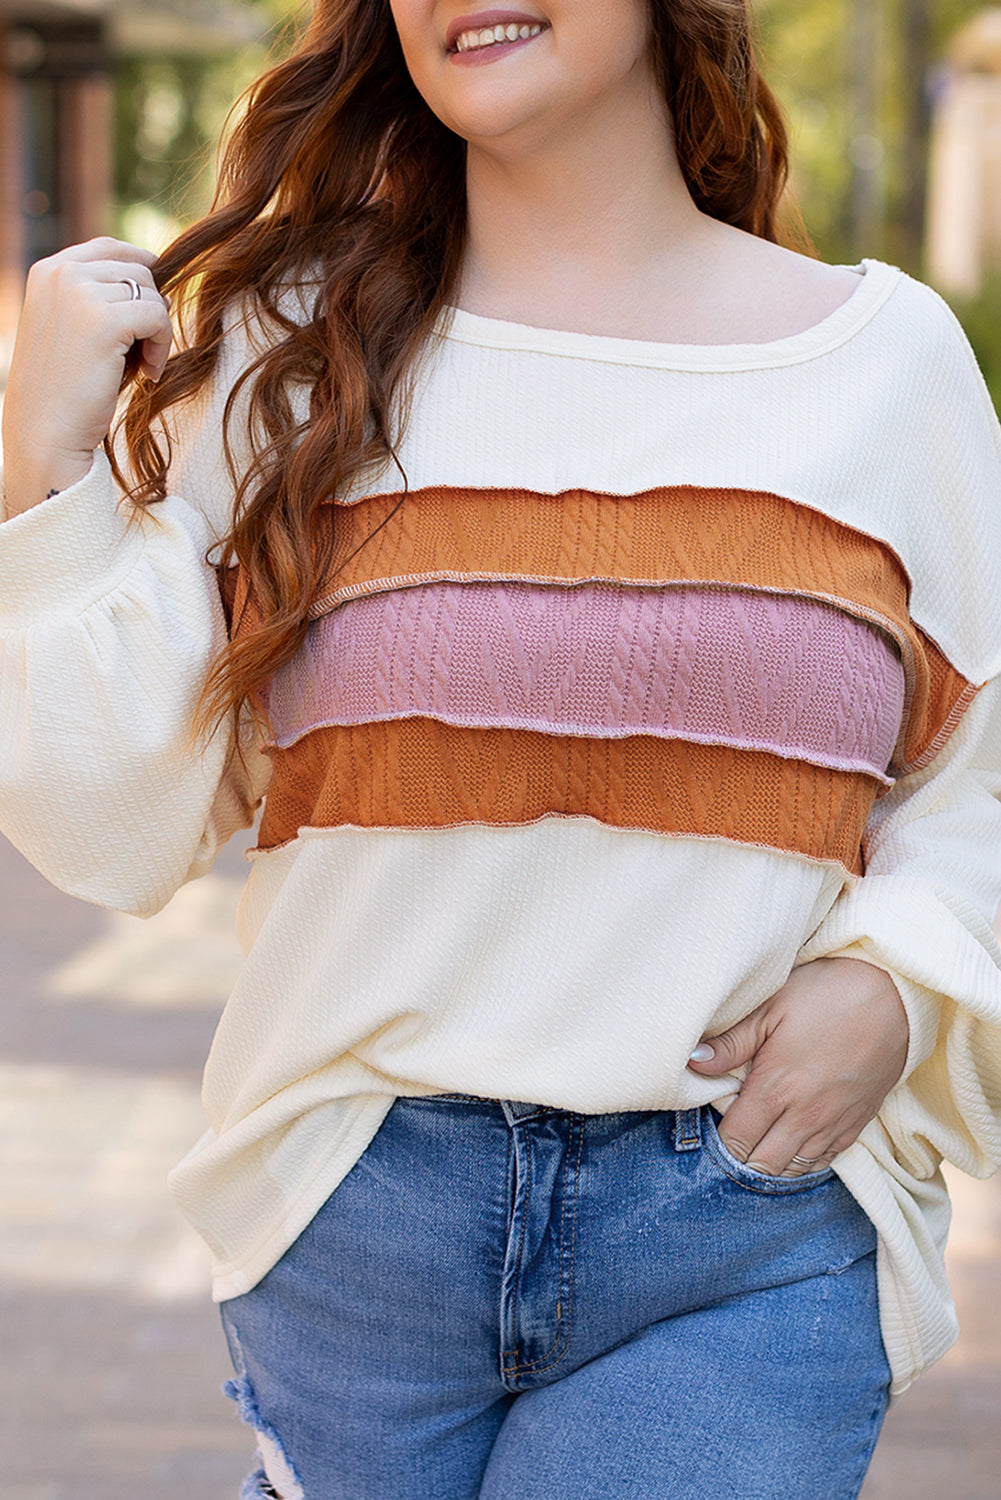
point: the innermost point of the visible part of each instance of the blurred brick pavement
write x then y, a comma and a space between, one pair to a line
111, 1354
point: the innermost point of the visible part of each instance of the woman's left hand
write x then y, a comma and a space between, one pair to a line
824, 1051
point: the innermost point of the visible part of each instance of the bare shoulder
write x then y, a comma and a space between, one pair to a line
782, 292
811, 287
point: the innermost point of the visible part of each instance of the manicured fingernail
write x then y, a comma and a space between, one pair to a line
702, 1053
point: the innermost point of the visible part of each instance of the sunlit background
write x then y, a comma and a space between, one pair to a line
110, 1359
110, 111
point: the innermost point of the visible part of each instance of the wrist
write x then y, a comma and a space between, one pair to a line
28, 483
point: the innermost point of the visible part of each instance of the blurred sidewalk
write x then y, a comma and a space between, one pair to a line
112, 1356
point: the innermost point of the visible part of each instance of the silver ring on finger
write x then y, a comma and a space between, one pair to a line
133, 287
807, 1161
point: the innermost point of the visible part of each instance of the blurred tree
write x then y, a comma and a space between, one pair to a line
918, 56
169, 115
857, 78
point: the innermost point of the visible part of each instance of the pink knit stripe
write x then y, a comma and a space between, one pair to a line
762, 671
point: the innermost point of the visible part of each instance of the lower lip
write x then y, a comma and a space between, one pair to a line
480, 55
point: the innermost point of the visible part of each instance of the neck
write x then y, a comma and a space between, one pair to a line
587, 220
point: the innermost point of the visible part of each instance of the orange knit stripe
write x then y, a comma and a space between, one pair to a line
941, 697
418, 773
680, 533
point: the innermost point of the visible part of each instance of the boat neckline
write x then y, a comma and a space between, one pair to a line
876, 282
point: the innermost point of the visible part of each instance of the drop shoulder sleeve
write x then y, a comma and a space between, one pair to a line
108, 622
924, 908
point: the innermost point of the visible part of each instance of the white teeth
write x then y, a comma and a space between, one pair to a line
469, 41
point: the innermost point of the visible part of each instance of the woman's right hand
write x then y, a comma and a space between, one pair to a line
79, 322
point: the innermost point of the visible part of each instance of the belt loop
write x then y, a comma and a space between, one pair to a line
687, 1129
516, 1110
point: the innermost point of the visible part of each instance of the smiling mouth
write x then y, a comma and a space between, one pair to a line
476, 39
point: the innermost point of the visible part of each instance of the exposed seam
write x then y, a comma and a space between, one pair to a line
513, 1353
545, 1361
955, 714
454, 719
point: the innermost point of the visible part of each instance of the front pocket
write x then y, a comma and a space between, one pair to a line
749, 1177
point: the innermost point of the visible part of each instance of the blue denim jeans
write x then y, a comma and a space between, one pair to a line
509, 1302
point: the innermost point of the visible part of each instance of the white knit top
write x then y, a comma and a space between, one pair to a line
675, 667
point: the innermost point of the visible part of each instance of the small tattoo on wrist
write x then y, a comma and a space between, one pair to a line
51, 493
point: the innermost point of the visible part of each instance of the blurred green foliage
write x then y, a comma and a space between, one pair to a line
806, 48
169, 115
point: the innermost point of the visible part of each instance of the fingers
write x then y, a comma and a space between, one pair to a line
102, 292
142, 320
788, 1147
731, 1049
117, 275
777, 1127
62, 278
106, 248
82, 327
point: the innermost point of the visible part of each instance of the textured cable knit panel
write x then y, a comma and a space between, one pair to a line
419, 773
758, 671
677, 534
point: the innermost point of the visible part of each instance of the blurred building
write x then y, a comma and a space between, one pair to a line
56, 64
964, 200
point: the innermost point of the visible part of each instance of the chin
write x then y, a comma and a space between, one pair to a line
487, 128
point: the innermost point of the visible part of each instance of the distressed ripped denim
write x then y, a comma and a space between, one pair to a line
504, 1301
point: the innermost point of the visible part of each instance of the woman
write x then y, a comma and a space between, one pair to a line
614, 595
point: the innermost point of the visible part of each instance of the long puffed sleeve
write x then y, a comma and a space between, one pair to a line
107, 627
929, 486
109, 618
923, 912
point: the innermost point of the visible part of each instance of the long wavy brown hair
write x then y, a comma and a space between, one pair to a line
338, 179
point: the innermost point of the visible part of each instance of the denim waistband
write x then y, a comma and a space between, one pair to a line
686, 1124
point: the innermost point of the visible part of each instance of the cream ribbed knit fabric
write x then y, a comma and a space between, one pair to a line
578, 757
